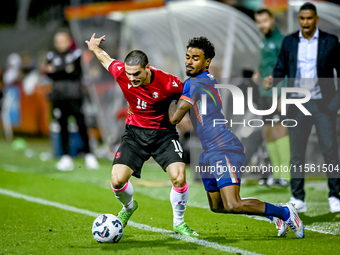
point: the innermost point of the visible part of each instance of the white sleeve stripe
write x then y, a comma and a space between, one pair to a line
190, 102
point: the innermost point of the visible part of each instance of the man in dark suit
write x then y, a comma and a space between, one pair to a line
309, 57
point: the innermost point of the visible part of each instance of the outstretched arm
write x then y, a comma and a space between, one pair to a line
177, 110
102, 56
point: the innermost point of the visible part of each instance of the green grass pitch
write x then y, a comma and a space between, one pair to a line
45, 211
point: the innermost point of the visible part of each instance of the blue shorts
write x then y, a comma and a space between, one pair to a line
221, 168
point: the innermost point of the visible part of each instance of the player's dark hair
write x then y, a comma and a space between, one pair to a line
263, 10
136, 57
308, 6
203, 44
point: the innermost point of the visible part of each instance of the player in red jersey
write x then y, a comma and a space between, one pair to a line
148, 131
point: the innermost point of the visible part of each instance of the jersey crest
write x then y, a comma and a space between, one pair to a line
155, 95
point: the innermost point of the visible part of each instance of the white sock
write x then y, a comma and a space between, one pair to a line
124, 195
178, 199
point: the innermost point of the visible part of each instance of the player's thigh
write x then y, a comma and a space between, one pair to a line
215, 201
131, 155
176, 172
167, 151
120, 174
230, 196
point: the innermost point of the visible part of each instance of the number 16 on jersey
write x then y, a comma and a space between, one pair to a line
140, 104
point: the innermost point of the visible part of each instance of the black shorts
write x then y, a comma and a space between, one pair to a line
265, 103
139, 144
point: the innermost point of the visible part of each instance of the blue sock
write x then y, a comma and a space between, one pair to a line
276, 211
270, 217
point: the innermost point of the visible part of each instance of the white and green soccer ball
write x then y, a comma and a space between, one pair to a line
107, 228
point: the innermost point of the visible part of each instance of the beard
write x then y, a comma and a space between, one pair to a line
188, 73
193, 73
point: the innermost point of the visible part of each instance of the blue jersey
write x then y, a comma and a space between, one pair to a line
200, 91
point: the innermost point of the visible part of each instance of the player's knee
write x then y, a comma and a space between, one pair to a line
120, 175
213, 209
179, 181
177, 174
217, 209
116, 182
233, 207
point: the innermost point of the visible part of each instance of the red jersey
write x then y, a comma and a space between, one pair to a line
149, 103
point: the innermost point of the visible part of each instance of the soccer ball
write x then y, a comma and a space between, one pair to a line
107, 228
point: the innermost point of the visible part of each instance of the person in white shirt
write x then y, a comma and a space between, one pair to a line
309, 57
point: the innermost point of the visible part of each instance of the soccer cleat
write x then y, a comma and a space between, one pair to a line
65, 163
301, 206
281, 226
263, 182
294, 222
91, 161
334, 204
281, 182
124, 216
185, 230
266, 181
270, 181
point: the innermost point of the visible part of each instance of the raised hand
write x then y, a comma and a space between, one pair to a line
94, 42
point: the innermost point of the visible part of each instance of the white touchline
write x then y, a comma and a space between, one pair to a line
130, 223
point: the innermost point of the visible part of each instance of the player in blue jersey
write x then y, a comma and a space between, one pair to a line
223, 151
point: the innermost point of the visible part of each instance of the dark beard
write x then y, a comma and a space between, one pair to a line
194, 74
188, 73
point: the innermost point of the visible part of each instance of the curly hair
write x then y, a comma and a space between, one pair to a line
203, 44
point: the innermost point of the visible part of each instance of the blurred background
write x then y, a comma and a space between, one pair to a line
161, 29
